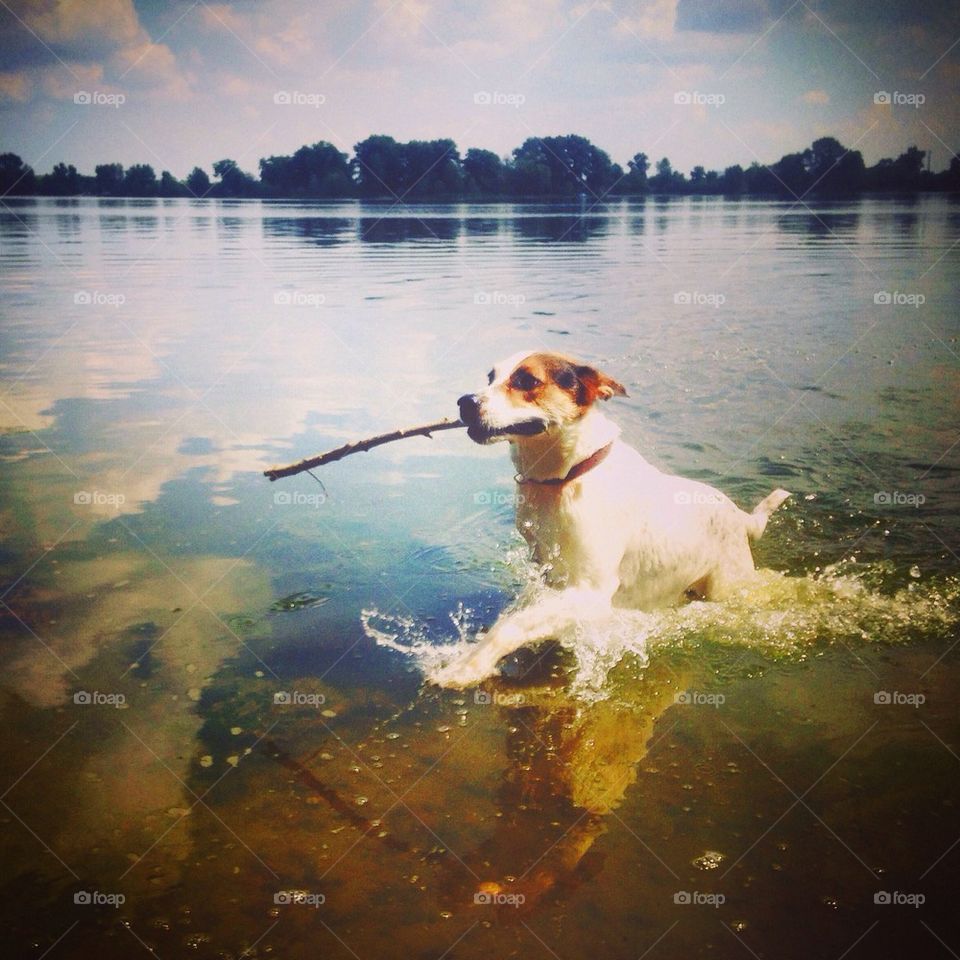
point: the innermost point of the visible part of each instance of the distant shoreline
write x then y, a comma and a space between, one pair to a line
568, 168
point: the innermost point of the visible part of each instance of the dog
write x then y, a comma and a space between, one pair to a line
607, 528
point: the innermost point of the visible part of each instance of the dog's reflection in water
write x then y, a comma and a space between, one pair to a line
570, 764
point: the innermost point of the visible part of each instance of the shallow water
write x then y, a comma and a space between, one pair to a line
778, 760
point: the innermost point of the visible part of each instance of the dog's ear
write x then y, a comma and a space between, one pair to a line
597, 385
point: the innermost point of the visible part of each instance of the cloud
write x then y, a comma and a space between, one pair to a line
66, 45
82, 24
15, 86
815, 97
652, 19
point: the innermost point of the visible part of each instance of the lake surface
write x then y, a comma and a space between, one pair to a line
217, 741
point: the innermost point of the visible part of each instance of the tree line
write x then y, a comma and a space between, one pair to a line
542, 167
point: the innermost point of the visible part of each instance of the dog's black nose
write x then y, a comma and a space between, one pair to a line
469, 407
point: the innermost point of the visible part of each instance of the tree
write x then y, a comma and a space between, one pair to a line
483, 173
831, 168
233, 181
170, 186
733, 182
16, 178
198, 183
636, 180
140, 181
563, 166
62, 181
667, 180
431, 168
319, 170
377, 166
109, 179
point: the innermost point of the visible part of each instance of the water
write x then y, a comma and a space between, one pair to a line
158, 355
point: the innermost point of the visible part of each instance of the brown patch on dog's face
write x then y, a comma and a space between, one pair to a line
558, 385
530, 393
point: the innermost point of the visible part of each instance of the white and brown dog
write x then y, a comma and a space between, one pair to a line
608, 528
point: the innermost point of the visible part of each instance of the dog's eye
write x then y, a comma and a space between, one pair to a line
490, 377
524, 380
566, 379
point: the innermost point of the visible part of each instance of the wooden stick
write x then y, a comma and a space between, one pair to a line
275, 473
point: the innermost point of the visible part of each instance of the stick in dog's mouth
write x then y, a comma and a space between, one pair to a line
525, 428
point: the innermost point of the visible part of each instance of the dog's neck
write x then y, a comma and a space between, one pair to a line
554, 453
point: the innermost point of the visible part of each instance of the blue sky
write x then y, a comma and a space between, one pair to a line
178, 83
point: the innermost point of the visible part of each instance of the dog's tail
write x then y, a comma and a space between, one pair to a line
757, 520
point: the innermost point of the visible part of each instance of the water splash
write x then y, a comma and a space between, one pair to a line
779, 616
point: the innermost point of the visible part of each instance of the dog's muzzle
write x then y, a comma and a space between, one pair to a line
480, 432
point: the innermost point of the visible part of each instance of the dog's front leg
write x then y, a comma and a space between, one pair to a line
542, 619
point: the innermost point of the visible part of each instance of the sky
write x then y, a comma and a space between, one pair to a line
180, 83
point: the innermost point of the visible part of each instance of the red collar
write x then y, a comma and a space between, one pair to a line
577, 470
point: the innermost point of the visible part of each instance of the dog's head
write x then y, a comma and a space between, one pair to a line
530, 393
